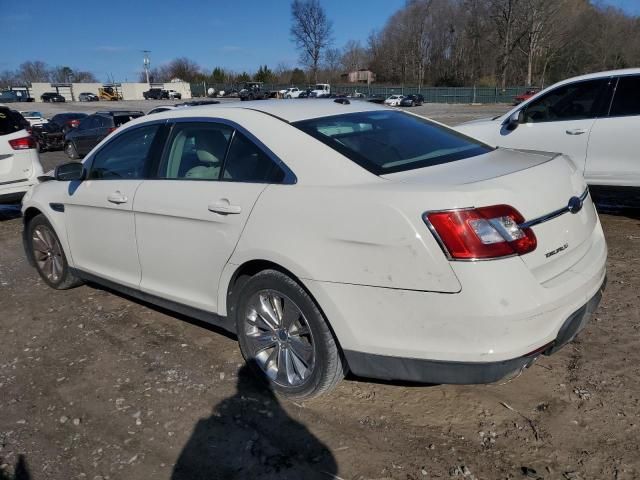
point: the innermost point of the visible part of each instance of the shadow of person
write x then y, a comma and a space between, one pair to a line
21, 472
249, 435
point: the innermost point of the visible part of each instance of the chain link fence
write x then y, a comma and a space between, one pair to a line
431, 94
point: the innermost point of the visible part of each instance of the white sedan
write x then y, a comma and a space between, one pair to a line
371, 240
594, 119
291, 92
394, 100
34, 118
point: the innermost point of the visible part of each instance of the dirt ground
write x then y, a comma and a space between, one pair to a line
94, 385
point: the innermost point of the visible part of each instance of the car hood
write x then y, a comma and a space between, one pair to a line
480, 120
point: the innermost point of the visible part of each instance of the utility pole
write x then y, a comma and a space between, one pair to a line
146, 63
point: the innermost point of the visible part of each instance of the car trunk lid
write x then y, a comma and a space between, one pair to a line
539, 185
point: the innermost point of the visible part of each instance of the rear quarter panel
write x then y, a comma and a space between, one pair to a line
358, 235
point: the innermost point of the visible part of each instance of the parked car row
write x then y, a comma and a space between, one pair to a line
160, 94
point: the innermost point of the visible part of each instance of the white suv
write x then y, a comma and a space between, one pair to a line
594, 119
19, 161
371, 240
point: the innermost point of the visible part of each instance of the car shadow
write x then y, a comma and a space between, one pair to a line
249, 435
20, 472
9, 211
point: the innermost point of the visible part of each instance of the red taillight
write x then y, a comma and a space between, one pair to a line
111, 129
482, 233
23, 143
74, 123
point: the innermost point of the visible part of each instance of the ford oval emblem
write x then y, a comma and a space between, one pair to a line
575, 204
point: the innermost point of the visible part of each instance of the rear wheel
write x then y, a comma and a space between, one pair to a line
48, 256
71, 151
285, 337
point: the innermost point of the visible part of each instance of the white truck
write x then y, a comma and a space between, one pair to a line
291, 92
321, 90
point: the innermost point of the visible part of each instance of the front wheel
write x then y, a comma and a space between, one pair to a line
285, 338
48, 256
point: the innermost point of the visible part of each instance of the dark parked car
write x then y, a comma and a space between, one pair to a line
376, 98
88, 97
253, 91
92, 129
52, 97
412, 101
48, 136
155, 94
67, 121
195, 103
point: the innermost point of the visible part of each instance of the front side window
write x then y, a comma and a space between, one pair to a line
196, 151
626, 100
385, 141
125, 157
574, 101
247, 163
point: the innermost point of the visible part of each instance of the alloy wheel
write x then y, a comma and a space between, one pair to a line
279, 338
47, 253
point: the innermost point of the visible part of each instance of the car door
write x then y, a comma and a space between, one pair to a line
560, 120
612, 157
81, 135
189, 220
99, 210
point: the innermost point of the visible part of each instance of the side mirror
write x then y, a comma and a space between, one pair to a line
68, 172
514, 120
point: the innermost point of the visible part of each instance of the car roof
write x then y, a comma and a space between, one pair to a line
119, 112
291, 110
608, 73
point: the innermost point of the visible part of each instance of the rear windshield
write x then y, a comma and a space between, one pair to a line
122, 119
10, 121
390, 141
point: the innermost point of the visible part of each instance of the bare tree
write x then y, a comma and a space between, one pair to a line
354, 56
311, 30
35, 71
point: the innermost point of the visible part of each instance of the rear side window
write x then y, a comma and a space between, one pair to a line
626, 100
10, 121
246, 162
196, 151
389, 141
574, 101
124, 157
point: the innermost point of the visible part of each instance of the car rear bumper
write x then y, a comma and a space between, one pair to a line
450, 372
499, 321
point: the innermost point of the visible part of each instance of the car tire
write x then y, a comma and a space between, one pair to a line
48, 256
70, 150
293, 350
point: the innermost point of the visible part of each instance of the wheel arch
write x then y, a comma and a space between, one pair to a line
248, 269
28, 215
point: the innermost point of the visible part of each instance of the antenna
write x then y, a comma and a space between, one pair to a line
147, 63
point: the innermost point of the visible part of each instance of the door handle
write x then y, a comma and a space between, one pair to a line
576, 131
117, 198
223, 207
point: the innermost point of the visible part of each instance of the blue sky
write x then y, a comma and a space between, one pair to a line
107, 37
